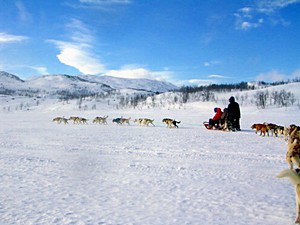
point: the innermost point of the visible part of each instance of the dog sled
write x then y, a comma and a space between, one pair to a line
213, 127
222, 124
224, 127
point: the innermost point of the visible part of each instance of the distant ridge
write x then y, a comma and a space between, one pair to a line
135, 84
58, 84
9, 77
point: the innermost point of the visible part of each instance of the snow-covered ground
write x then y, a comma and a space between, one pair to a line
109, 174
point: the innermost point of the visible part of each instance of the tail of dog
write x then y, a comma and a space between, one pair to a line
291, 174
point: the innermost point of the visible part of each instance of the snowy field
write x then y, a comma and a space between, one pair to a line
109, 174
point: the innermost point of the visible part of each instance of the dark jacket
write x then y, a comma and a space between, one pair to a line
234, 109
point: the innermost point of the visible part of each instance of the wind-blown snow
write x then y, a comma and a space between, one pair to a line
109, 174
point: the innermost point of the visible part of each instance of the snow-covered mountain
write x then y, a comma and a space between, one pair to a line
136, 84
64, 83
60, 83
9, 81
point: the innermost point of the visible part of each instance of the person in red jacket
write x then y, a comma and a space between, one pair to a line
215, 120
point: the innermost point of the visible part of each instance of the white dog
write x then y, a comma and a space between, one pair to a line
295, 179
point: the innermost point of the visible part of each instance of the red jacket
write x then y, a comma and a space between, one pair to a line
218, 114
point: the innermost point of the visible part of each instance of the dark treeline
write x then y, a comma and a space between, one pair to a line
217, 87
262, 98
242, 86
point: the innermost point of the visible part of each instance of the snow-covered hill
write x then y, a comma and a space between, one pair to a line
60, 83
93, 92
135, 84
10, 82
65, 83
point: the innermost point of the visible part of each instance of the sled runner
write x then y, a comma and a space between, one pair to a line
207, 126
222, 127
210, 127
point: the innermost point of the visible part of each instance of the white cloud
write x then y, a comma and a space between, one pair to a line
262, 12
99, 2
80, 33
129, 72
212, 79
271, 76
270, 6
78, 52
105, 5
275, 75
296, 74
23, 14
217, 76
79, 57
201, 82
20, 69
9, 38
211, 63
40, 69
246, 19
246, 10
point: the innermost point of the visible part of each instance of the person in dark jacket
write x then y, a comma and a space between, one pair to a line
234, 114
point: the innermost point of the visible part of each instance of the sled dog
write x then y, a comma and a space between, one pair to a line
170, 122
147, 121
293, 151
75, 119
60, 120
263, 128
117, 121
295, 179
138, 121
82, 120
273, 128
280, 130
100, 120
57, 119
125, 121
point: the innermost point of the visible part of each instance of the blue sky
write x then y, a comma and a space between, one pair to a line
182, 41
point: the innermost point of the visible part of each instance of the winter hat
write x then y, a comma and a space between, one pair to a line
215, 109
231, 99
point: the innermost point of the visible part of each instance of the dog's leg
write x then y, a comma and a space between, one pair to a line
296, 160
290, 163
297, 204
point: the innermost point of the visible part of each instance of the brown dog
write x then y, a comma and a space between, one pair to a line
263, 128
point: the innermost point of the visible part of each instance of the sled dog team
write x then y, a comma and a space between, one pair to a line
265, 128
119, 121
75, 119
291, 134
293, 160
